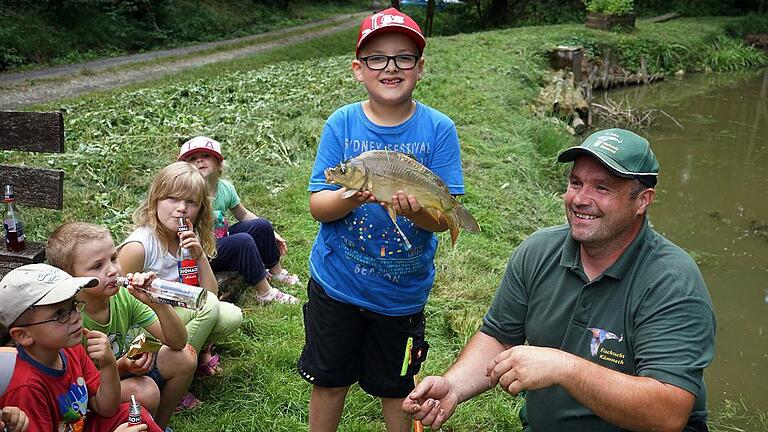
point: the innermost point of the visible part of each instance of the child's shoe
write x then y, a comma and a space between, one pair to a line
210, 367
275, 295
284, 278
188, 401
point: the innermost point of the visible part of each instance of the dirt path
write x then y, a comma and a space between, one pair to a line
46, 85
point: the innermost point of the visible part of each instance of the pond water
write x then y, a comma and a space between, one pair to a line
712, 200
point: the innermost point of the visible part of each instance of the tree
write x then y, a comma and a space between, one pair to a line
430, 15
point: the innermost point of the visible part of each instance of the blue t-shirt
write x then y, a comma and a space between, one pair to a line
360, 259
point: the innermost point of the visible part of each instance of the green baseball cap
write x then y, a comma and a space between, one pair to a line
626, 154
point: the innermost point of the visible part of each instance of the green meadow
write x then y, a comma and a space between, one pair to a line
269, 111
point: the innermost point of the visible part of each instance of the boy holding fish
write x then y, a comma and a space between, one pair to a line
364, 320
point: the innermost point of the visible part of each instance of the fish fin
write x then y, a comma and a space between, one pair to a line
349, 193
435, 213
453, 227
466, 220
393, 216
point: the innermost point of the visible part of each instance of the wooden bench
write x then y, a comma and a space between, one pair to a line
32, 187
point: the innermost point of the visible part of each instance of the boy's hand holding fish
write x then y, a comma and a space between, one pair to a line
395, 174
406, 205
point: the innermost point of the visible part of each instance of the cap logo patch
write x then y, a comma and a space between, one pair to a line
386, 20
602, 142
50, 276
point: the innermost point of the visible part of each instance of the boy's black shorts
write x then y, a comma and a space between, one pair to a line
346, 344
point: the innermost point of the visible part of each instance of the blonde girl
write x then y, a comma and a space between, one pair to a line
180, 191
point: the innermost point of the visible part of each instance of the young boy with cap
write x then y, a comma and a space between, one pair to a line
364, 321
55, 380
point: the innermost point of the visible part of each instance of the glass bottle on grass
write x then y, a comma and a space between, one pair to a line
13, 227
188, 273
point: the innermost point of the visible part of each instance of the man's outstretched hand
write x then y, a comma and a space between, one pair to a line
432, 401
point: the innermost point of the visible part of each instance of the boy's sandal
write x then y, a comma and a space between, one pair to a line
285, 278
188, 401
276, 296
211, 367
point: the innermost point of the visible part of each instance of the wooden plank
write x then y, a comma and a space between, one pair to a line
32, 131
35, 187
5, 267
665, 17
33, 253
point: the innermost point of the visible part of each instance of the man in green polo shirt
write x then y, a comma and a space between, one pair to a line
618, 322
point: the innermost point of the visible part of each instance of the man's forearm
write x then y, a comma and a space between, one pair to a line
468, 376
630, 402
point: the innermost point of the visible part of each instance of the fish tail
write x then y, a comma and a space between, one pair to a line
466, 220
453, 226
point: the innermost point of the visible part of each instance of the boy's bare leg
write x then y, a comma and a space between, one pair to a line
144, 388
394, 417
325, 407
177, 369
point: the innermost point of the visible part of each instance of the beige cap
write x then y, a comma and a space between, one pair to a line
37, 285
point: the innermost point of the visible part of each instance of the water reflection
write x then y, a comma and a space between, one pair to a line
712, 200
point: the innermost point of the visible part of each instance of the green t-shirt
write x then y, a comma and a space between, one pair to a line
226, 199
649, 314
127, 318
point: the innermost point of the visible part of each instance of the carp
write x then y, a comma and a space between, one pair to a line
384, 172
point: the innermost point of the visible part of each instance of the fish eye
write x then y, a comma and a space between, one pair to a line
343, 168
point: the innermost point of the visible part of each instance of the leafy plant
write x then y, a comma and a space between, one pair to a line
610, 7
728, 55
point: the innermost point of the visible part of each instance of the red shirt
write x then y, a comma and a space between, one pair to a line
57, 399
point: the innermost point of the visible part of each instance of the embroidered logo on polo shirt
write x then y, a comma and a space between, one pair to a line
598, 337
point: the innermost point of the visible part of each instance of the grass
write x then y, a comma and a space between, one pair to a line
268, 111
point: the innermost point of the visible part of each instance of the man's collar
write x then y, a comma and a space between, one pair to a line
570, 257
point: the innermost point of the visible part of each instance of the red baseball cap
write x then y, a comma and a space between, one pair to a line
390, 20
200, 144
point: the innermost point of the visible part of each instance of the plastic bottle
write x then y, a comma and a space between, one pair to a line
187, 265
134, 413
173, 293
13, 227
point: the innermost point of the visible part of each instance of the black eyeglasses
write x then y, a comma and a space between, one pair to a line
380, 62
62, 316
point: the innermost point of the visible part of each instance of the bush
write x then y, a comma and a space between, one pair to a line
610, 7
68, 31
749, 24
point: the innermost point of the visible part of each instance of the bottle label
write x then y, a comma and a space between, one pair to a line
188, 272
172, 302
134, 418
14, 235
